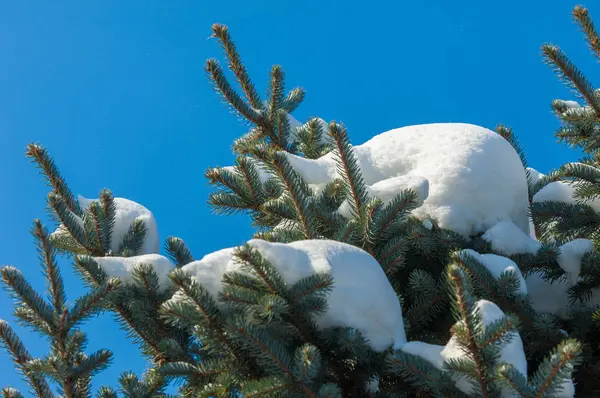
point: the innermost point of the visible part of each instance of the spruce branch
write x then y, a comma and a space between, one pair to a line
30, 299
45, 163
251, 259
349, 170
516, 380
21, 358
49, 265
245, 144
71, 222
265, 387
556, 368
199, 299
106, 392
464, 306
583, 19
310, 139
223, 87
90, 304
275, 94
235, 64
94, 217
299, 192
133, 239
394, 213
503, 292
281, 122
293, 99
570, 75
178, 251
420, 373
8, 392
269, 353
253, 185
109, 210
93, 364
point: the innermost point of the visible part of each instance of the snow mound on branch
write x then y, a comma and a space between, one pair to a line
567, 390
547, 296
123, 267
362, 296
553, 297
498, 265
564, 192
570, 256
126, 212
511, 351
534, 175
475, 176
505, 237
556, 191
388, 189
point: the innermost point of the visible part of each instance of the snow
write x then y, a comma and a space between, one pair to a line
508, 239
360, 285
388, 189
373, 385
557, 191
561, 191
564, 192
548, 297
570, 256
126, 212
511, 352
567, 391
123, 267
429, 352
427, 224
571, 104
505, 237
498, 265
474, 175
534, 175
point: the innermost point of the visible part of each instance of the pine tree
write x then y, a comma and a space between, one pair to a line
560, 221
258, 337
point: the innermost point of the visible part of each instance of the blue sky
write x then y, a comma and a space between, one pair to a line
117, 93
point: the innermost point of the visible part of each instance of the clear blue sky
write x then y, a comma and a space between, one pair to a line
116, 91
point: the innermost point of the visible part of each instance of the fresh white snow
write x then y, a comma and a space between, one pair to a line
475, 177
511, 352
556, 191
564, 192
534, 175
570, 256
567, 391
505, 237
123, 267
388, 189
126, 212
553, 297
362, 296
498, 265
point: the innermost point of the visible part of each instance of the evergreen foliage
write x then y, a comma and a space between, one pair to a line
258, 337
560, 221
